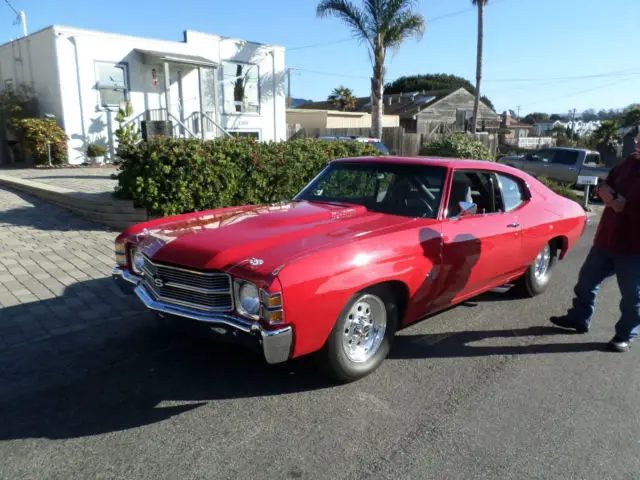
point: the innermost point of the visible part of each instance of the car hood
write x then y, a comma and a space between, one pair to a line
263, 239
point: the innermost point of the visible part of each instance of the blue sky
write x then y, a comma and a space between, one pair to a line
543, 41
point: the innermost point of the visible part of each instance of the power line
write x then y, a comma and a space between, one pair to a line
617, 73
315, 45
12, 7
600, 87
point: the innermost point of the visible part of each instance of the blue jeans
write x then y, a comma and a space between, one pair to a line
599, 266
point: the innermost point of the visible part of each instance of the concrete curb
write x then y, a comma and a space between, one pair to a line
116, 214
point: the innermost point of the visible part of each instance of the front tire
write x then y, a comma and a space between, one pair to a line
538, 276
361, 337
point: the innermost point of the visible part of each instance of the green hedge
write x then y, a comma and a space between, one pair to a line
458, 145
169, 176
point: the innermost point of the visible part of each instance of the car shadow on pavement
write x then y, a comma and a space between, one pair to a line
461, 344
149, 375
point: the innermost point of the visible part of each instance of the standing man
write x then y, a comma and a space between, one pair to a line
616, 251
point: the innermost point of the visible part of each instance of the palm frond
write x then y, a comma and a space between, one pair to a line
348, 13
404, 26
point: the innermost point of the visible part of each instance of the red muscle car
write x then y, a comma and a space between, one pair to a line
369, 246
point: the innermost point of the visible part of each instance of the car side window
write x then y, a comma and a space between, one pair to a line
544, 156
565, 157
472, 186
511, 192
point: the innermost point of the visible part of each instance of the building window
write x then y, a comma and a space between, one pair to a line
112, 84
240, 87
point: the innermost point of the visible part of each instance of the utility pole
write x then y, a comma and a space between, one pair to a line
518, 109
573, 123
289, 87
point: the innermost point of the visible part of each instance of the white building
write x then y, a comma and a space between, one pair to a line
216, 84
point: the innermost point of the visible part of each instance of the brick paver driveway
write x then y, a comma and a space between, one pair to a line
54, 272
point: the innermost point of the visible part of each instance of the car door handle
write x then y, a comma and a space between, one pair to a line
513, 225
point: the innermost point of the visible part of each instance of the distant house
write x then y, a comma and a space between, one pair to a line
427, 112
323, 119
511, 130
544, 127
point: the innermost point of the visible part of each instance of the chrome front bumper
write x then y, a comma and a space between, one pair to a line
275, 344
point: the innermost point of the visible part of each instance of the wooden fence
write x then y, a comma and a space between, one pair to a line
394, 138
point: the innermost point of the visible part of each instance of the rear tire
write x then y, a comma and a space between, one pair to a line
361, 337
538, 276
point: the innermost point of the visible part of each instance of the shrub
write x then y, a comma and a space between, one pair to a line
458, 145
560, 189
33, 134
168, 176
95, 150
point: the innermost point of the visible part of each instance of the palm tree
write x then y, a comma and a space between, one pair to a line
380, 25
476, 105
342, 97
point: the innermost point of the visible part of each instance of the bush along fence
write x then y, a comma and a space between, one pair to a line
168, 176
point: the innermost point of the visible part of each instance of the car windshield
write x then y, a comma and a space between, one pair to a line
380, 146
396, 189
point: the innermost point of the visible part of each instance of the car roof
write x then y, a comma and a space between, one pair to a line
449, 163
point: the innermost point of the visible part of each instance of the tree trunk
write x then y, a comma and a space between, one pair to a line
476, 105
377, 92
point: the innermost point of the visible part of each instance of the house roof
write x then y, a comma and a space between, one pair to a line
402, 104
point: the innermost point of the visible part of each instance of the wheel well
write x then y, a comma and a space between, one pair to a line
561, 245
400, 293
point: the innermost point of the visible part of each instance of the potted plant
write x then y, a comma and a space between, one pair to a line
95, 153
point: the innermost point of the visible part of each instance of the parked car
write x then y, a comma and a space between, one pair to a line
367, 247
563, 165
375, 142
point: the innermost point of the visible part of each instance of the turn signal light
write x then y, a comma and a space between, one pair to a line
121, 254
273, 300
274, 317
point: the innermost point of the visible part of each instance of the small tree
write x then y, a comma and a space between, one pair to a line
342, 97
631, 117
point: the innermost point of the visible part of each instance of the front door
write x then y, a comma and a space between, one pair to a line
479, 250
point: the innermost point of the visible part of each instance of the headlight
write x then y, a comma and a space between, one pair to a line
137, 260
247, 299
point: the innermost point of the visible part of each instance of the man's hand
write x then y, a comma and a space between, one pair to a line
606, 193
618, 204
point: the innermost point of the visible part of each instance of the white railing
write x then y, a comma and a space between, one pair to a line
535, 142
192, 127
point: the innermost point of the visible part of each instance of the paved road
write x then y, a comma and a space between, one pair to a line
485, 390
54, 272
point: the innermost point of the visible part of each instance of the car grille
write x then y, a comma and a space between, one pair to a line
207, 291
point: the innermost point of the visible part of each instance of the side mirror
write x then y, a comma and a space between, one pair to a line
468, 208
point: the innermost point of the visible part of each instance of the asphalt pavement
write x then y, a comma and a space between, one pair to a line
484, 390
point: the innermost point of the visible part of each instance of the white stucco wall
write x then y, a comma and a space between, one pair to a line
61, 62
31, 60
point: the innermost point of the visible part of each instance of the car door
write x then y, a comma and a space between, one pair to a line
535, 162
479, 250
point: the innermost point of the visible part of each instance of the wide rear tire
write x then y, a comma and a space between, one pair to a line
538, 276
361, 337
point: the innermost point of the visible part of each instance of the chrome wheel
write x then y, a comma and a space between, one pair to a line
364, 328
541, 265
